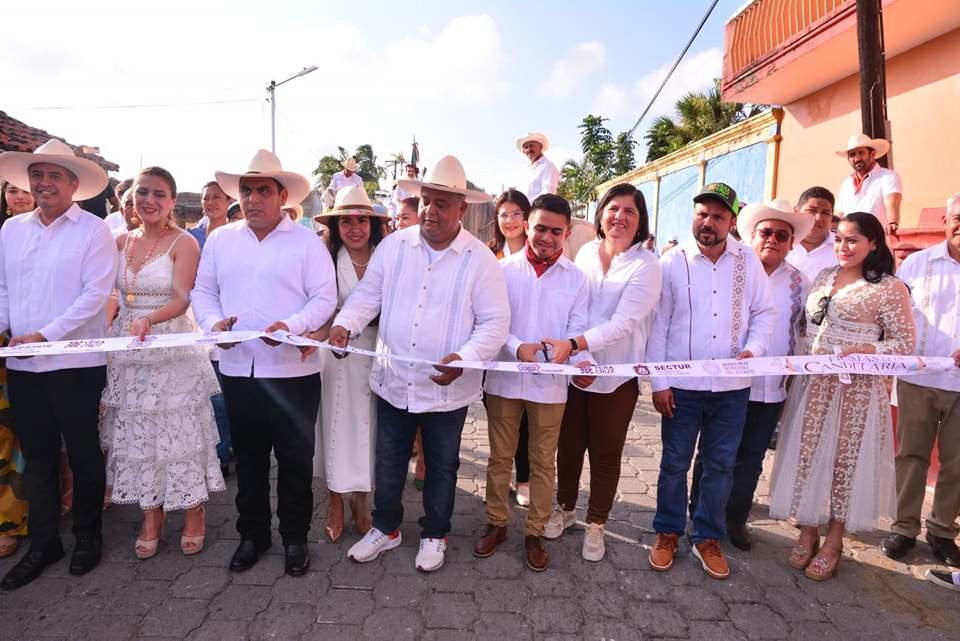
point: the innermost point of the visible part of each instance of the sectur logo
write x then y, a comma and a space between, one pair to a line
719, 188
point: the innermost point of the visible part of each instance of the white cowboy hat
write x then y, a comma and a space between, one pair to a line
350, 164
295, 211
534, 137
351, 201
779, 209
447, 175
879, 145
265, 165
15, 165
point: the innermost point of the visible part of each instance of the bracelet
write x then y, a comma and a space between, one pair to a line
573, 342
149, 320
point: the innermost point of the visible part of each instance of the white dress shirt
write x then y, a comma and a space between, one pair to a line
877, 184
623, 303
710, 311
288, 277
933, 277
542, 178
396, 197
56, 280
455, 304
813, 262
116, 222
789, 288
340, 180
556, 305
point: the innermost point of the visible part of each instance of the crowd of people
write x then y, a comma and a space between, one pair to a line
160, 427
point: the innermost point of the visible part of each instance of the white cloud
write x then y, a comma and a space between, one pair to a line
694, 73
582, 61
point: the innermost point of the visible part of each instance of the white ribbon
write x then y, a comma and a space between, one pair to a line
871, 364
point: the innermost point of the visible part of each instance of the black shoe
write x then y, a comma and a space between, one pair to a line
739, 535
896, 545
29, 568
773, 441
86, 555
225, 468
296, 559
944, 550
247, 554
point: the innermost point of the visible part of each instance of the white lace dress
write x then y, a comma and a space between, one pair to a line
158, 426
835, 452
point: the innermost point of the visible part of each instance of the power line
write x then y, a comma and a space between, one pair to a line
149, 106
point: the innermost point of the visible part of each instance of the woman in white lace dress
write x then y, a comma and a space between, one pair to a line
835, 463
158, 424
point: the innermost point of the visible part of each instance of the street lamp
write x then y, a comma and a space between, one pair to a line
271, 89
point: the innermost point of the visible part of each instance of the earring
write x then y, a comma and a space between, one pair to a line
135, 219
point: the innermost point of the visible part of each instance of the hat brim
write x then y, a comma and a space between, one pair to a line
753, 214
699, 198
472, 196
296, 185
15, 169
540, 138
350, 210
879, 145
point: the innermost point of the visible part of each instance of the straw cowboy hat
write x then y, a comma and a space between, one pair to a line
15, 165
533, 137
448, 175
879, 145
350, 164
779, 209
351, 201
266, 165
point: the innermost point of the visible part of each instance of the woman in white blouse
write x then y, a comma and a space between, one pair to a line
624, 289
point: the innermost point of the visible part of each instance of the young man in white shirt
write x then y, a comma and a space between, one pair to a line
549, 296
441, 297
542, 175
268, 273
58, 266
870, 188
715, 303
814, 252
770, 231
929, 404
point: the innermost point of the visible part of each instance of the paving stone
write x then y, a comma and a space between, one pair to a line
332, 632
758, 621
597, 600
448, 635
858, 622
699, 603
655, 619
554, 615
39, 594
241, 602
282, 621
499, 595
345, 607
350, 574
137, 597
399, 594
393, 624
554, 581
450, 611
53, 620
174, 617
794, 605
610, 630
221, 630
715, 630
113, 627
502, 626
200, 582
165, 567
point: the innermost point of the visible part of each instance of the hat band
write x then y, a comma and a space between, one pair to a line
346, 208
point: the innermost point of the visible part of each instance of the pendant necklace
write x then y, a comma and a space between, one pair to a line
133, 246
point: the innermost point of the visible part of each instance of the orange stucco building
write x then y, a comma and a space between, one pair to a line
802, 55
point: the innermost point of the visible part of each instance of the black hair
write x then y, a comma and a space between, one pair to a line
626, 189
821, 193
552, 203
879, 261
516, 197
335, 242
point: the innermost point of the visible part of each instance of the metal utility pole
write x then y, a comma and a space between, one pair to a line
873, 81
272, 89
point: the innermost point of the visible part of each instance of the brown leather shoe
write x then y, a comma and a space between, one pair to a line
536, 553
711, 558
661, 556
487, 544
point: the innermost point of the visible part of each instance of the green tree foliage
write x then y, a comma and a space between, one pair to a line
603, 158
368, 169
698, 115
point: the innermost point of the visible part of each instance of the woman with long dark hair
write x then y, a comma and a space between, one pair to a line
834, 462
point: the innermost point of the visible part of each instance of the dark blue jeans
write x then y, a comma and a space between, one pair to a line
396, 430
758, 429
223, 423
717, 419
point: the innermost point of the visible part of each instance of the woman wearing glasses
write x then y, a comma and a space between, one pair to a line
835, 464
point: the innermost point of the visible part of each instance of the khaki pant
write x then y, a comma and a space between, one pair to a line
923, 415
503, 421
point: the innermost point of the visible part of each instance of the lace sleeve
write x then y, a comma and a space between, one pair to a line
895, 318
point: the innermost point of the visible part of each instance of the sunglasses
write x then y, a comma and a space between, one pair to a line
781, 235
817, 318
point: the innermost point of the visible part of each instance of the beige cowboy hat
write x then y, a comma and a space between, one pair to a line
266, 165
351, 201
533, 137
295, 211
351, 164
448, 175
779, 209
879, 145
15, 166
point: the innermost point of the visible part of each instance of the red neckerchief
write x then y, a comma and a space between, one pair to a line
858, 181
540, 266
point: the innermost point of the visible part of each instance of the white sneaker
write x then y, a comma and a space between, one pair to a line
523, 495
593, 546
430, 556
373, 544
559, 521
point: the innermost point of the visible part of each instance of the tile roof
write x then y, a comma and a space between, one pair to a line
19, 136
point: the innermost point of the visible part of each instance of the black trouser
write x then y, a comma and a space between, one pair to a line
46, 406
276, 414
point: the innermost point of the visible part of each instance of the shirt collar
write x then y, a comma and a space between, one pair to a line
458, 244
72, 214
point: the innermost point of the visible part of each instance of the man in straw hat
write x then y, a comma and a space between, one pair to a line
771, 231
441, 297
347, 177
268, 273
542, 175
715, 303
57, 268
870, 187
